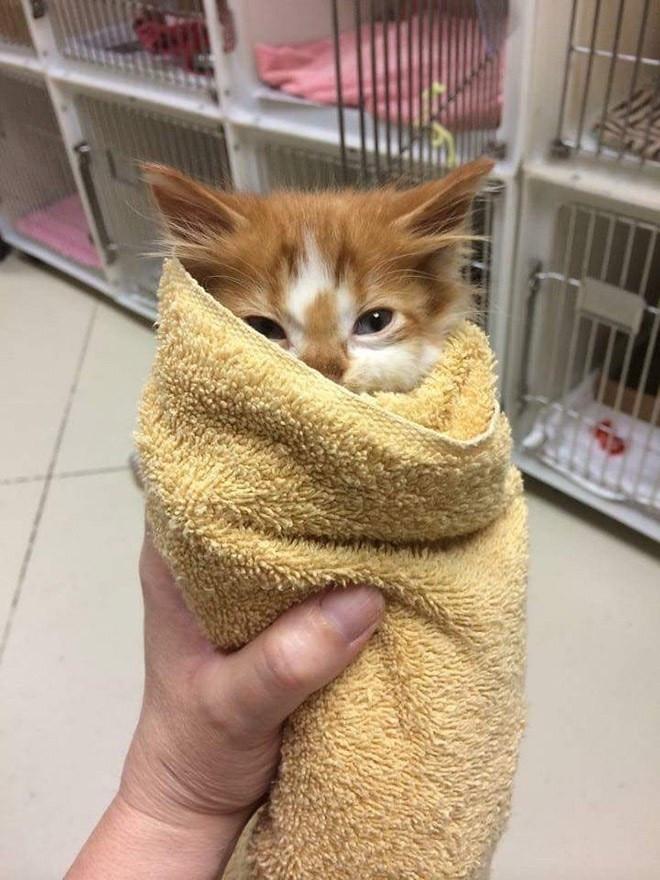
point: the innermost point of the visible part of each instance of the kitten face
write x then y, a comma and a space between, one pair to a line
362, 286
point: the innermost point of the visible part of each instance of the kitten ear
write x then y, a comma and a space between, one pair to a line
190, 208
437, 211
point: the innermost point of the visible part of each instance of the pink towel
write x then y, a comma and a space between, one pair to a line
307, 70
62, 226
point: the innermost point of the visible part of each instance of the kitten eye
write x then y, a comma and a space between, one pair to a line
267, 327
373, 322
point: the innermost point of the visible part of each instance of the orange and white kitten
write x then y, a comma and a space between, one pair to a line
363, 286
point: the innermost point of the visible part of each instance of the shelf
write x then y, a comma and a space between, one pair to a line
117, 84
633, 185
630, 516
20, 59
317, 125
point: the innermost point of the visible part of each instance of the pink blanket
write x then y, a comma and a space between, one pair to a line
62, 226
307, 70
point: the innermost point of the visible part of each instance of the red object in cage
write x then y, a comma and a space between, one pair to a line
608, 440
172, 36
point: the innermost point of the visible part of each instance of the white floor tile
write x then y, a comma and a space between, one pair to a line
587, 798
18, 507
43, 320
102, 418
71, 679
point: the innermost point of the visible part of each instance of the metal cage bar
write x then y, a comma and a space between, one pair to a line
120, 137
165, 41
37, 187
13, 26
419, 84
591, 370
610, 98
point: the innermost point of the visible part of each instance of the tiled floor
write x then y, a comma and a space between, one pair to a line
587, 799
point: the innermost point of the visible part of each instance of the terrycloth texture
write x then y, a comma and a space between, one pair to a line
266, 482
451, 51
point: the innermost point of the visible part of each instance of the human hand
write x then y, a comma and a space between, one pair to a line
206, 746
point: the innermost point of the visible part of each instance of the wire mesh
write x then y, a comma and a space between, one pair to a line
37, 187
425, 80
592, 369
284, 166
165, 41
120, 137
610, 100
13, 26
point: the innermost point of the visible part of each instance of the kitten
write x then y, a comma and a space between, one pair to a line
363, 286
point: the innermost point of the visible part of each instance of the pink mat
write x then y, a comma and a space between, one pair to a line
307, 70
62, 226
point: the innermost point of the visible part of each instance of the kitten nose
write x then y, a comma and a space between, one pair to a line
335, 374
332, 368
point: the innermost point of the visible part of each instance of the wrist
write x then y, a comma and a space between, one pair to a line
129, 842
202, 838
180, 822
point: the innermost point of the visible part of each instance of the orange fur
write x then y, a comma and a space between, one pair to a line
315, 263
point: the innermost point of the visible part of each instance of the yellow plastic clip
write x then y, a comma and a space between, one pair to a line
434, 90
441, 136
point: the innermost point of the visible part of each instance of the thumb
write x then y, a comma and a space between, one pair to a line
260, 685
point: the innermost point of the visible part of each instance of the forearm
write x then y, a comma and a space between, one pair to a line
207, 743
130, 845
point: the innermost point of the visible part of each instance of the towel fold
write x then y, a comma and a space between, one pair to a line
265, 483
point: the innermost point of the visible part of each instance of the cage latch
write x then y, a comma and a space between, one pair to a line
38, 8
534, 281
610, 304
559, 149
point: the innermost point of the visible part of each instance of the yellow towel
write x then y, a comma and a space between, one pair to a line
266, 482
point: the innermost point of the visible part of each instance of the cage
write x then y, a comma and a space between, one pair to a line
586, 396
164, 41
118, 136
284, 163
610, 98
38, 195
413, 86
14, 30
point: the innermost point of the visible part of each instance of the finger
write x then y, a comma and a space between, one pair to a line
257, 687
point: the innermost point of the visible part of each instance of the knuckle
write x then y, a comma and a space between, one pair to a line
217, 705
281, 666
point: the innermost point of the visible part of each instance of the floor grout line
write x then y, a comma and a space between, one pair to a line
14, 481
65, 475
47, 481
91, 472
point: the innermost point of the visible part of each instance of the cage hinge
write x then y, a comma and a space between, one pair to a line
496, 149
38, 8
84, 153
534, 279
559, 149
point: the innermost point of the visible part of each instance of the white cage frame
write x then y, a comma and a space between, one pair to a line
542, 152
561, 339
